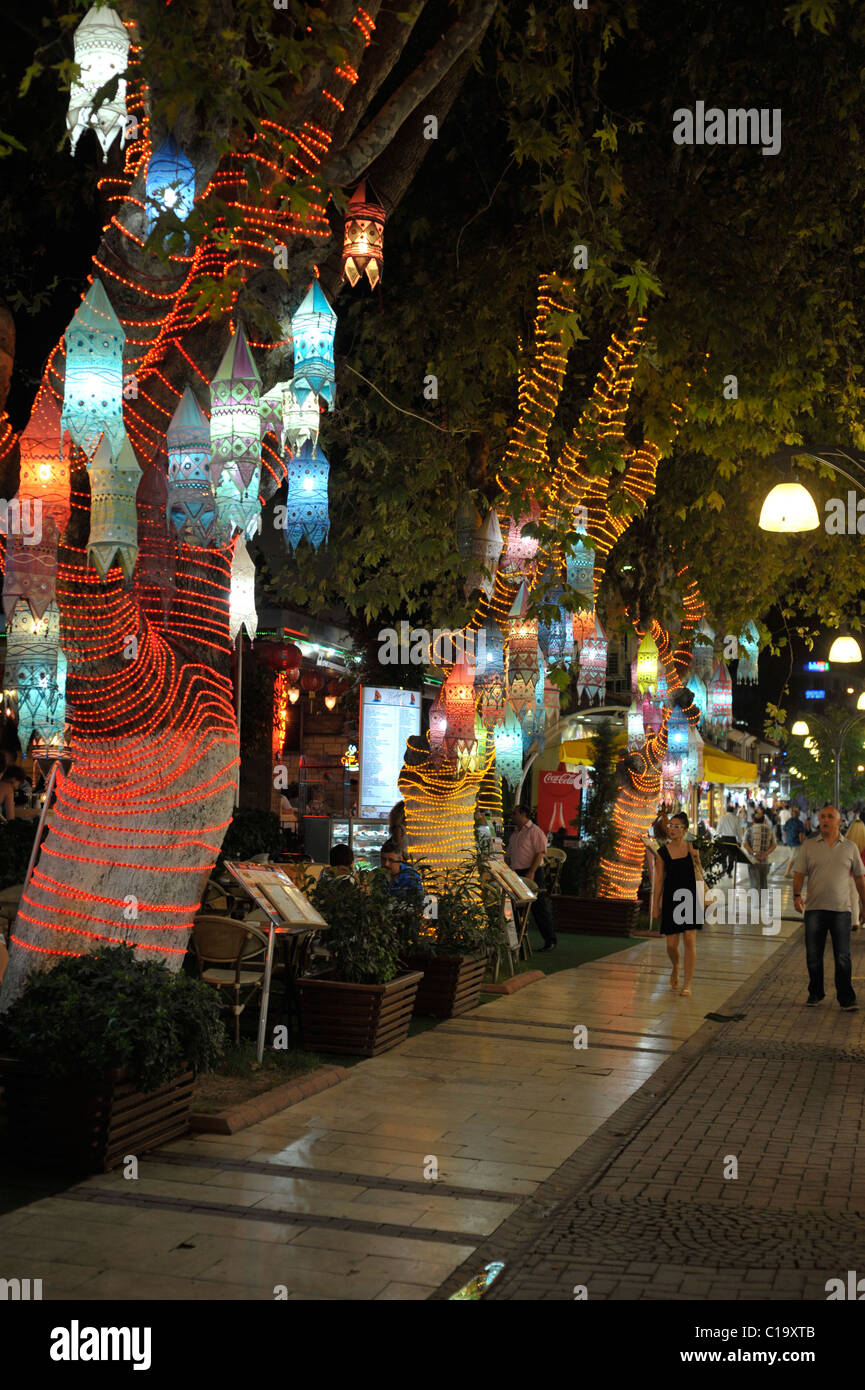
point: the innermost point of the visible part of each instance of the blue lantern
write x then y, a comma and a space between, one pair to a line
580, 568
313, 325
677, 736
93, 390
35, 678
169, 184
306, 503
698, 689
508, 737
749, 652
191, 505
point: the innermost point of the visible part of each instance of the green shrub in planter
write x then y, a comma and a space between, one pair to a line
370, 928
462, 922
96, 1014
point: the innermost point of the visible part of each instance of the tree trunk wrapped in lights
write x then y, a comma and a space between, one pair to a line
140, 817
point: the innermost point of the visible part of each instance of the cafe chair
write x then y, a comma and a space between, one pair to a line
230, 956
553, 861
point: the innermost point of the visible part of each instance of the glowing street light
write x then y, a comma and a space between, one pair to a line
788, 508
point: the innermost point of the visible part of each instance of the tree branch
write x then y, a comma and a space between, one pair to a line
377, 64
462, 36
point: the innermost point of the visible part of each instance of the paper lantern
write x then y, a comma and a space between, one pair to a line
636, 733
692, 763
169, 183
704, 652
647, 665
520, 549
459, 705
33, 681
31, 575
468, 522
580, 571
592, 678
721, 698
191, 504
552, 704
93, 390
652, 716
306, 502
235, 429
242, 612
44, 476
364, 234
749, 652
301, 418
490, 674
113, 515
534, 722
313, 325
438, 725
582, 628
508, 739
677, 735
698, 689
101, 52
523, 654
270, 405
556, 634
485, 551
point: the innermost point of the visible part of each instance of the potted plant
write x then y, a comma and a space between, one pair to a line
576, 906
363, 1003
98, 1057
451, 947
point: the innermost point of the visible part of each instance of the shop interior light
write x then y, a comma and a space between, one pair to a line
330, 701
860, 703
789, 507
845, 650
294, 694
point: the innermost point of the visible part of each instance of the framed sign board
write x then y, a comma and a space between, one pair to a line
272, 889
508, 879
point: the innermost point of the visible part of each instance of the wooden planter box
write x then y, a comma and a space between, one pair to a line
362, 1020
89, 1127
595, 916
451, 985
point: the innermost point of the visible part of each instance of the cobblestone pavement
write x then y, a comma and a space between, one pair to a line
643, 1209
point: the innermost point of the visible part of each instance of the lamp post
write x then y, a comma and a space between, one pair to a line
839, 747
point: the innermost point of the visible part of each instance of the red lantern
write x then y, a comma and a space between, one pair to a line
293, 674
292, 655
311, 681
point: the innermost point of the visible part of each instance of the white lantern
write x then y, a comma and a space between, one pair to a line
242, 606
101, 52
301, 417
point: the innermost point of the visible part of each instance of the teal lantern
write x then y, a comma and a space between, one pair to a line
190, 504
169, 183
113, 514
749, 652
306, 503
313, 326
508, 737
93, 389
35, 677
235, 419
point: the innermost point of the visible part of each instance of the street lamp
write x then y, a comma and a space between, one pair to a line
789, 507
846, 651
800, 728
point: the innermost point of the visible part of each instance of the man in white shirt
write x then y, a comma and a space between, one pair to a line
526, 849
727, 833
828, 860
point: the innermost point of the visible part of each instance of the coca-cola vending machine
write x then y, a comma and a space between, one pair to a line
560, 801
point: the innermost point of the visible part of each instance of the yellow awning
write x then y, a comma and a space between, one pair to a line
727, 768
578, 751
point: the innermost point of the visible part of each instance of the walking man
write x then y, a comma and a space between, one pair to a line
526, 849
760, 840
828, 860
728, 834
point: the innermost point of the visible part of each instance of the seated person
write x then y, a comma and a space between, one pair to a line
341, 862
402, 875
11, 780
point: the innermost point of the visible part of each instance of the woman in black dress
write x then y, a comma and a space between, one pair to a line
676, 874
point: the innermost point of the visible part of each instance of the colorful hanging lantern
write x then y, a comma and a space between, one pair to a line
438, 726
191, 504
580, 571
636, 733
364, 234
306, 503
749, 652
521, 549
652, 716
34, 685
677, 735
101, 52
721, 698
93, 390
486, 549
508, 738
301, 418
556, 635
593, 664
534, 721
552, 704
490, 674
523, 654
313, 325
459, 704
647, 665
692, 763
44, 477
242, 611
169, 183
698, 689
113, 515
704, 652
270, 412
235, 428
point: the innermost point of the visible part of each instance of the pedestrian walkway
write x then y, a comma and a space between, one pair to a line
383, 1186
739, 1173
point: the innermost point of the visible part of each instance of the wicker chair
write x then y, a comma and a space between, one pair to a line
230, 955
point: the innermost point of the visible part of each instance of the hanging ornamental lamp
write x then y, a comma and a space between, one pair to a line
593, 664
241, 611
652, 716
749, 652
692, 763
44, 476
520, 549
556, 634
704, 651
508, 739
552, 704
306, 502
698, 689
438, 726
270, 412
364, 234
459, 704
485, 551
313, 325
190, 503
301, 418
636, 732
523, 654
647, 665
490, 674
34, 687
535, 720
169, 183
101, 52
677, 736
93, 389
113, 515
580, 571
721, 698
235, 428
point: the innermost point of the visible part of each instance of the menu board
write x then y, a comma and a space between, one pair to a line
387, 718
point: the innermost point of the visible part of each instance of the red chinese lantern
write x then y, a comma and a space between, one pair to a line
312, 682
291, 655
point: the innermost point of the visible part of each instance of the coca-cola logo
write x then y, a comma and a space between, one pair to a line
565, 779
